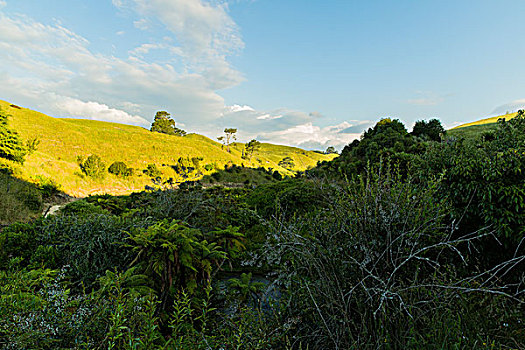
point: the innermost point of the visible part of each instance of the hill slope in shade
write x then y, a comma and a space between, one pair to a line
63, 140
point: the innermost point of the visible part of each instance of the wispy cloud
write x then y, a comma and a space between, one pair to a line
55, 70
286, 126
509, 107
426, 99
141, 24
47, 59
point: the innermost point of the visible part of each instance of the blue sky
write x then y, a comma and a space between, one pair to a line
307, 73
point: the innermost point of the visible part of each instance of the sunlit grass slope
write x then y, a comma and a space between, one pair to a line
474, 129
63, 140
490, 120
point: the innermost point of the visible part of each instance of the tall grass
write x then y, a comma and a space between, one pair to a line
19, 200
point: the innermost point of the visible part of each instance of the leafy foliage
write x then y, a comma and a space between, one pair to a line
389, 257
330, 150
11, 146
484, 182
92, 166
120, 169
229, 135
378, 267
431, 130
164, 124
152, 171
251, 147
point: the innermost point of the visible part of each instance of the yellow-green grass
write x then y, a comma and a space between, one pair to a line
63, 140
473, 130
490, 120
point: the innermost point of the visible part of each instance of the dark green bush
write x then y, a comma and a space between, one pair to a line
378, 268
93, 166
152, 171
82, 208
286, 197
89, 244
20, 241
120, 169
483, 179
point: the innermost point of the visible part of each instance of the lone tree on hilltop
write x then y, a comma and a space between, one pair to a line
229, 134
251, 147
330, 150
164, 124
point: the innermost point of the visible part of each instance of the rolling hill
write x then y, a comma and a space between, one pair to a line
63, 140
475, 128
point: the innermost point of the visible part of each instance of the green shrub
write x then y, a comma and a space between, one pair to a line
18, 240
47, 186
483, 179
152, 171
378, 268
82, 208
288, 197
120, 169
89, 244
38, 312
93, 166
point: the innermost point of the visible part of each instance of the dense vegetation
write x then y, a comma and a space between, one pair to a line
402, 242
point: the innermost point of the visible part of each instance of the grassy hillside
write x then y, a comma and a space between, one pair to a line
63, 140
490, 120
473, 129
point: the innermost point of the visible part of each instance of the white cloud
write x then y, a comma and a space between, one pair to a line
144, 49
44, 59
238, 108
310, 136
510, 107
269, 117
97, 111
289, 127
207, 35
117, 3
51, 69
141, 24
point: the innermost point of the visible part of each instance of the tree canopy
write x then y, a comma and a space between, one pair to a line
431, 130
252, 147
164, 124
229, 134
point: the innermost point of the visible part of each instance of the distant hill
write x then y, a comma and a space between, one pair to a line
473, 129
63, 140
